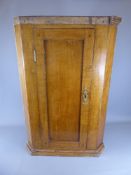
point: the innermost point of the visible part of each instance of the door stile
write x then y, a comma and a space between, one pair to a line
41, 84
86, 85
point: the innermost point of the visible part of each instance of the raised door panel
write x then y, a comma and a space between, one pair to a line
63, 76
64, 62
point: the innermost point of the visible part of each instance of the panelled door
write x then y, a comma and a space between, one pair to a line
63, 59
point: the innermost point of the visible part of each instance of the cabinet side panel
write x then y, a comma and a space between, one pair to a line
100, 51
30, 81
108, 69
22, 77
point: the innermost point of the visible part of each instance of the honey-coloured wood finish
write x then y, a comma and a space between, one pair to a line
65, 68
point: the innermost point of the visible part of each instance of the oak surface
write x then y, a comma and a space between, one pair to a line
65, 73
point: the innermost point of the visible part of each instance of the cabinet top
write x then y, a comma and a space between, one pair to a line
93, 20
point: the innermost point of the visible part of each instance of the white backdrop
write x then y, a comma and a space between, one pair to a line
11, 109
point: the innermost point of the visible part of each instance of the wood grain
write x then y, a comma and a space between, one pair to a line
63, 66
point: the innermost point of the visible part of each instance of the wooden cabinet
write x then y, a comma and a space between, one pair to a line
65, 67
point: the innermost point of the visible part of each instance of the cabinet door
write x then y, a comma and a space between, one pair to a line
63, 71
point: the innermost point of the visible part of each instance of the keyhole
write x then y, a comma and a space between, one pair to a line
85, 96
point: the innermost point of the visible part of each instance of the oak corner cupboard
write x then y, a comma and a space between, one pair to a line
65, 68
